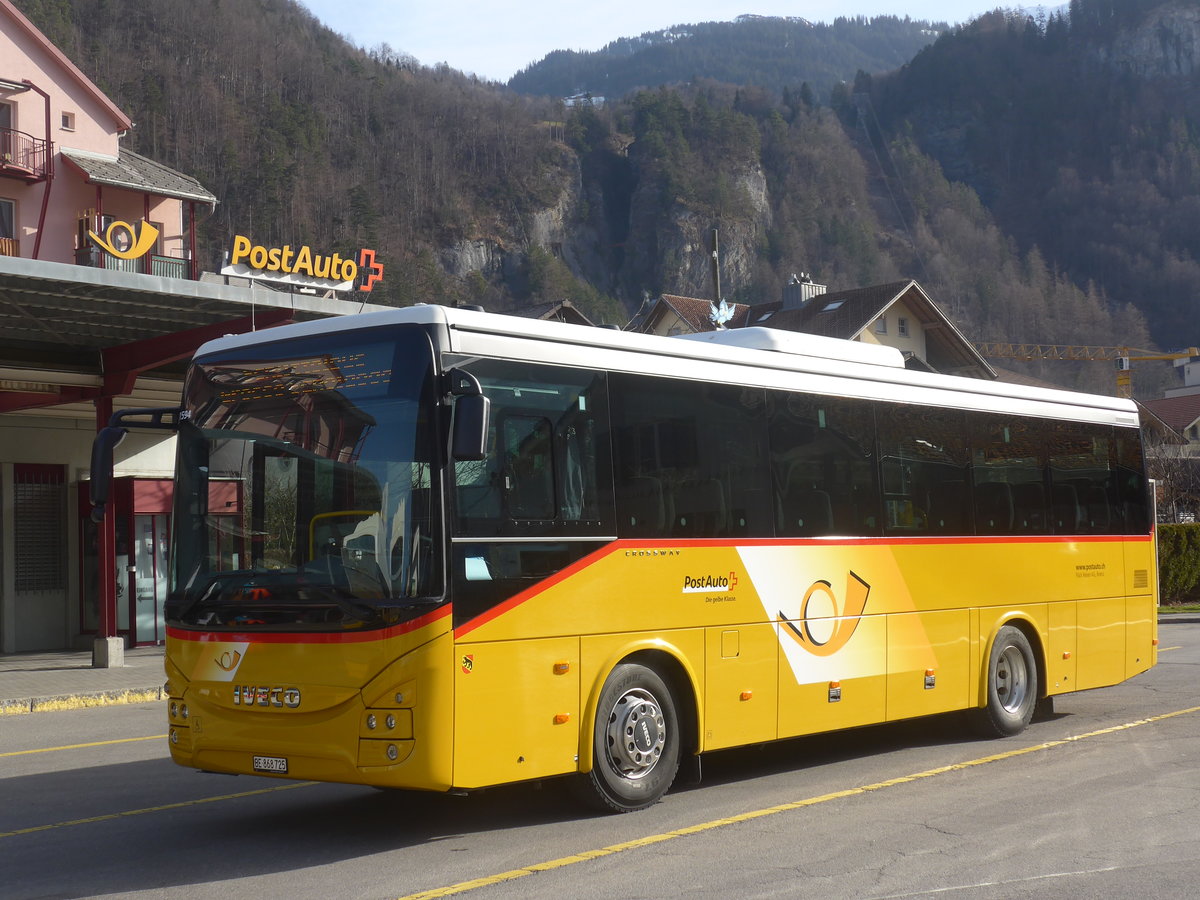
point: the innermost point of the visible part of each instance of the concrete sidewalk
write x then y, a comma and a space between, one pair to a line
65, 679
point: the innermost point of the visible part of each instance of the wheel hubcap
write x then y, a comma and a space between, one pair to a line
1012, 679
637, 733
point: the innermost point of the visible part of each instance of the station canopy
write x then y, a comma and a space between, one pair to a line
71, 334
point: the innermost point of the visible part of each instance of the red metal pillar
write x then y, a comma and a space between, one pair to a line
37, 242
193, 267
106, 546
148, 258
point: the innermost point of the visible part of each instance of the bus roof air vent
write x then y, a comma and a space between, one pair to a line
797, 344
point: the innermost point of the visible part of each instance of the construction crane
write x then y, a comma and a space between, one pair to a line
1123, 357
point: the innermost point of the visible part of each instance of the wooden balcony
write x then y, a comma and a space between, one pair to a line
23, 156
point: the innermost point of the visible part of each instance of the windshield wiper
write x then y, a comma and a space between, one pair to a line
363, 612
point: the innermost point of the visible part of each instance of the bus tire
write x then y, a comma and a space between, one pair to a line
635, 741
1012, 686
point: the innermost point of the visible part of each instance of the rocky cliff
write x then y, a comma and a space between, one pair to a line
1165, 43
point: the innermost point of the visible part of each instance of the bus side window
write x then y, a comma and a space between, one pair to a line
690, 459
1009, 466
528, 467
547, 461
1132, 500
1084, 462
924, 461
822, 465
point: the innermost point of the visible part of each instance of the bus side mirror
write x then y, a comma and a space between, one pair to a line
102, 468
469, 439
472, 413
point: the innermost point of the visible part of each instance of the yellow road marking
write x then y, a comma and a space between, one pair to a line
463, 886
153, 737
153, 809
1165, 649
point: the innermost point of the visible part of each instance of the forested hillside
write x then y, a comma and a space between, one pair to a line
769, 52
1082, 136
473, 193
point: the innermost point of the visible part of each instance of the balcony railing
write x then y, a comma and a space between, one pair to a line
10, 247
163, 266
24, 156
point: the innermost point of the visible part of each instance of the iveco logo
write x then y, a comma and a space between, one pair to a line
252, 695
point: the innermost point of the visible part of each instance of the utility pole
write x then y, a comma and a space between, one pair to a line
716, 270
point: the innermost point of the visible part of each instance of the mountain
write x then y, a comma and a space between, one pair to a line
966, 168
764, 51
1081, 134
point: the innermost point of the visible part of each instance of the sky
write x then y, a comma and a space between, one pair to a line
496, 38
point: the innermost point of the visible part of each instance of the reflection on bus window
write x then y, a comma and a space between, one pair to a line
307, 476
822, 466
547, 455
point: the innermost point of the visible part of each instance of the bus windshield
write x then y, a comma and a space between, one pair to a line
306, 485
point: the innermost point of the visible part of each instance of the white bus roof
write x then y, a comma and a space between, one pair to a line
752, 356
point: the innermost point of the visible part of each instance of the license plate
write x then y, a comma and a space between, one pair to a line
277, 764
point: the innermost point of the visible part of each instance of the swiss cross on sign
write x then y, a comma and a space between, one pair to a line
468, 663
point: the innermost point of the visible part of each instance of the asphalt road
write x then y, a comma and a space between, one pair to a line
1102, 800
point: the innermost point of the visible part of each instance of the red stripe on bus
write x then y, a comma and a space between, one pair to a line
292, 637
695, 543
562, 575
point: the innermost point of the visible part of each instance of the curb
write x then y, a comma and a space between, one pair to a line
23, 705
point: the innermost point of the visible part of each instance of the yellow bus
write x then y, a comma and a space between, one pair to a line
442, 549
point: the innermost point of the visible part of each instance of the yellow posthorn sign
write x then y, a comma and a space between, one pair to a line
301, 265
124, 241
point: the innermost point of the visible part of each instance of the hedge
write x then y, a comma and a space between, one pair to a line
1178, 562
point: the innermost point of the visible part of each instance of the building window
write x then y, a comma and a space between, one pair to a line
8, 228
68, 121
881, 325
902, 326
39, 532
6, 132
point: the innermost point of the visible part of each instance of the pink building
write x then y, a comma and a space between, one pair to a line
63, 172
100, 301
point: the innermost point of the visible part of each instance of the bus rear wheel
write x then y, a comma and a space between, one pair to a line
635, 742
1012, 686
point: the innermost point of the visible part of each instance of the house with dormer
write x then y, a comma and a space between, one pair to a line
897, 314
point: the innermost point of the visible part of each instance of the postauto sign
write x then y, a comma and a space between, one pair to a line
301, 265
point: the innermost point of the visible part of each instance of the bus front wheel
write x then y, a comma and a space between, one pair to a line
635, 742
1012, 686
